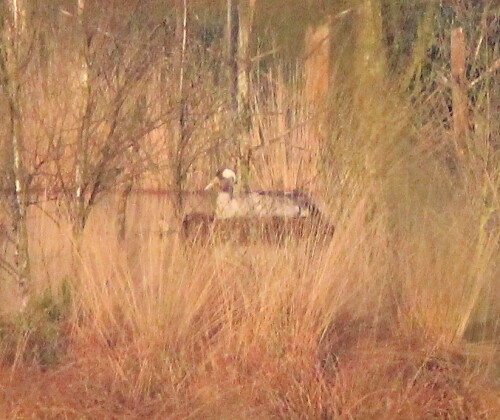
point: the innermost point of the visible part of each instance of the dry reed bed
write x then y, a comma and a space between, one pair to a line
203, 228
367, 325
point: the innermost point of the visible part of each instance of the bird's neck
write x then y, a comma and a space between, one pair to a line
224, 205
224, 197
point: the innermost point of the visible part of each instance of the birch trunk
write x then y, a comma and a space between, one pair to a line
81, 144
180, 133
246, 10
10, 50
371, 62
232, 51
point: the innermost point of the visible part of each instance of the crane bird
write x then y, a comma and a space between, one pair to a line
269, 216
257, 203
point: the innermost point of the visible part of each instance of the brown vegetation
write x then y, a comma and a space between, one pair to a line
364, 327
205, 228
133, 312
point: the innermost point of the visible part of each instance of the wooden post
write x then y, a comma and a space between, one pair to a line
317, 63
459, 88
316, 84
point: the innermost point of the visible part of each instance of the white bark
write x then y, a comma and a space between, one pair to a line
9, 73
245, 13
81, 145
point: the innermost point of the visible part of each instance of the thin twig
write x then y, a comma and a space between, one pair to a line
488, 72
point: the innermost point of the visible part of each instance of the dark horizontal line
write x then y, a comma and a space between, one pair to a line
139, 191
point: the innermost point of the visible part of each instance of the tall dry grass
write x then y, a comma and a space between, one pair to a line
371, 325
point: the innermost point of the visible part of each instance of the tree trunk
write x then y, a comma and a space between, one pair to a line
9, 69
371, 62
81, 144
425, 34
232, 51
459, 88
246, 9
181, 132
121, 217
316, 84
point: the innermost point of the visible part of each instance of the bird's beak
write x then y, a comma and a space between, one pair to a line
214, 182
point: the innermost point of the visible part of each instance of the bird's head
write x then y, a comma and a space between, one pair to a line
225, 178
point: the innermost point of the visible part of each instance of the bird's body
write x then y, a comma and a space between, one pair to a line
258, 203
262, 204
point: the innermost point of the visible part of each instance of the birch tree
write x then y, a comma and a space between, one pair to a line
11, 57
116, 60
181, 135
240, 16
370, 60
246, 10
231, 53
81, 143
